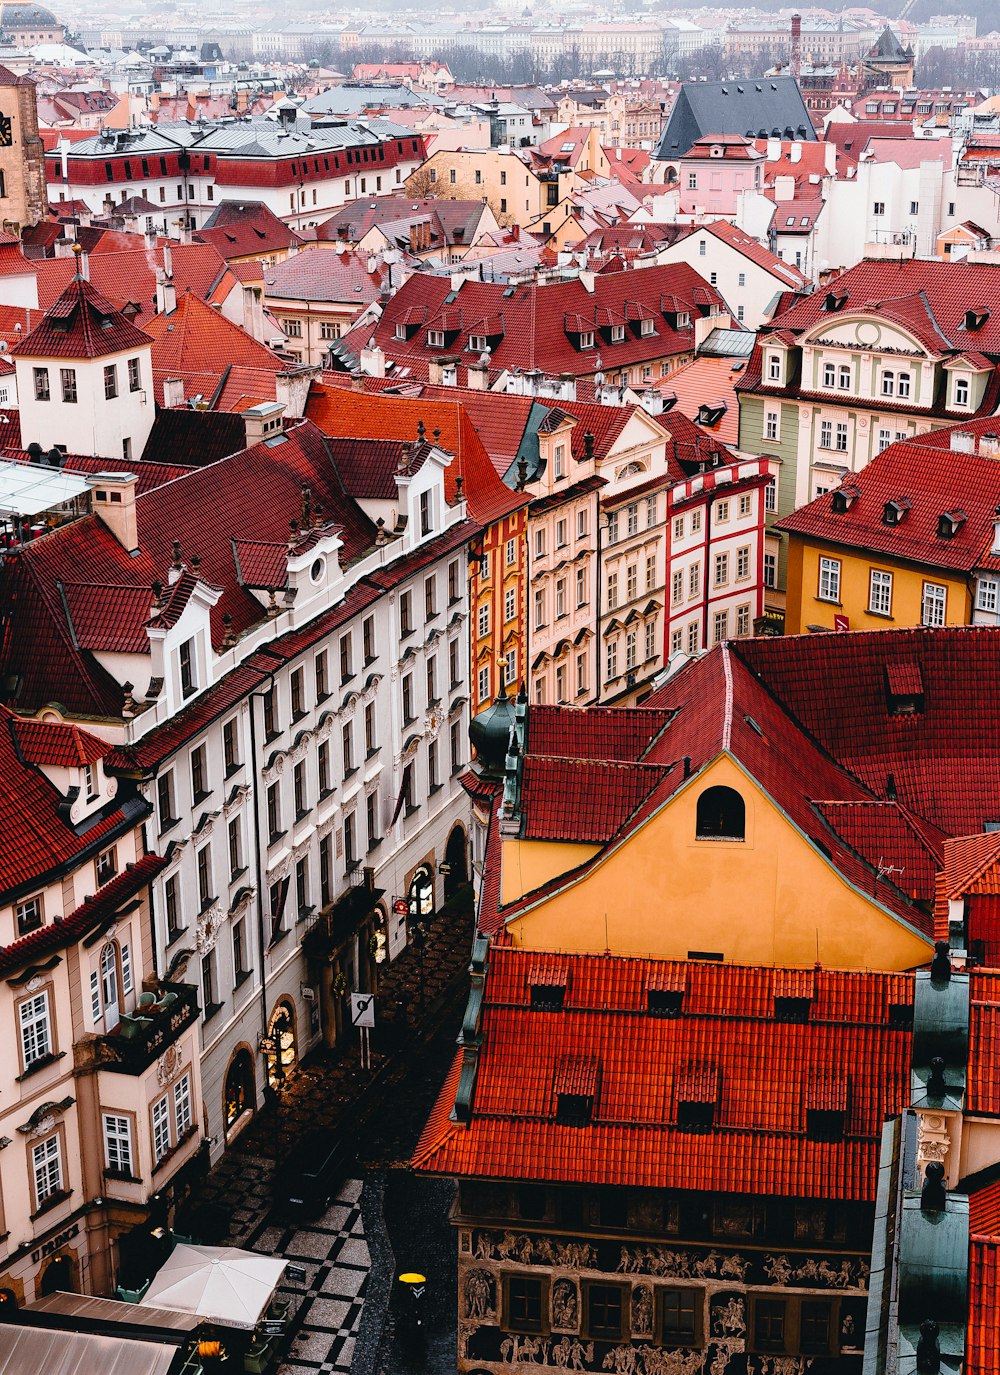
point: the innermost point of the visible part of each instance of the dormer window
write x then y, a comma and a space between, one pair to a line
834, 301
617, 333
683, 319
399, 332
587, 339
90, 782
435, 338
827, 1100
774, 367
576, 1083
646, 327
697, 1094
547, 988
665, 990
477, 343
794, 991
949, 524
893, 512
975, 319
904, 689
28, 914
843, 498
186, 660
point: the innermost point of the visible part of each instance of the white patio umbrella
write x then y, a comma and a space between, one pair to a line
219, 1283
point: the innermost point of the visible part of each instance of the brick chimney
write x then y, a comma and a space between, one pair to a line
173, 392
113, 497
796, 45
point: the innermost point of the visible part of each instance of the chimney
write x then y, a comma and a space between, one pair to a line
288, 115
962, 442
773, 149
166, 294
795, 152
443, 372
989, 446
796, 45
113, 496
173, 393
291, 388
372, 361
477, 377
263, 421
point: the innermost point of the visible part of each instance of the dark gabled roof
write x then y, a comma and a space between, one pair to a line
81, 324
194, 438
762, 108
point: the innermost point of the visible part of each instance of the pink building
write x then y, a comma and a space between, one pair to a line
714, 172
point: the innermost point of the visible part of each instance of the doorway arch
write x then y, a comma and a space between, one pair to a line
57, 1275
456, 858
283, 1057
240, 1091
420, 894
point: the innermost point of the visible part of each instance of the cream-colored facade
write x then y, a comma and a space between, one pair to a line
100, 1098
514, 191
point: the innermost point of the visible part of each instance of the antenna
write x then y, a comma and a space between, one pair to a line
884, 870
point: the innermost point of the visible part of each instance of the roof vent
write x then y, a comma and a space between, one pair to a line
665, 990
975, 319
894, 512
576, 1084
697, 1094
827, 1103
547, 987
835, 301
844, 497
904, 690
962, 442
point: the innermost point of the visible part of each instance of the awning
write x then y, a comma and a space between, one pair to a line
219, 1283
79, 1353
27, 489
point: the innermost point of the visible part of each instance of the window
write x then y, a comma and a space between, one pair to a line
630, 651
677, 586
581, 674
270, 715
28, 915
771, 495
540, 543
581, 587
935, 601
483, 683
46, 1170
302, 906
322, 692
325, 870
826, 434
106, 866
884, 439
771, 425
693, 638
888, 383
633, 518
844, 378
604, 1311
903, 384
235, 844
722, 511
988, 594
815, 1324
198, 792
350, 846
299, 790
612, 659
134, 379
117, 1144
650, 572
769, 1324
367, 639
295, 686
651, 640
67, 378
774, 367
720, 627
746, 504
721, 576
204, 867
694, 580
721, 815
829, 580
323, 767
680, 1310
560, 598
695, 522
582, 524
483, 620
878, 208
880, 592
347, 741
209, 1002
829, 374
562, 536
371, 735
612, 591
36, 1030
172, 908
961, 391
632, 582
743, 619
41, 376
426, 514
346, 657
510, 666
293, 329
405, 614
524, 1303
841, 444
559, 462
240, 970
743, 563
273, 812
110, 381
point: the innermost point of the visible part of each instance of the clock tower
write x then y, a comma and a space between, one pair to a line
23, 198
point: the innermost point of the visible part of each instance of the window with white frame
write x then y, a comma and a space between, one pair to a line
540, 543
560, 598
160, 1116
510, 604
721, 571
829, 580
651, 640
36, 1029
961, 391
678, 527
633, 517
746, 504
435, 338
743, 563
46, 1169
771, 430
693, 638
774, 367
483, 620
562, 533
884, 439
651, 511
559, 461
829, 374
844, 378
182, 1107
677, 586
903, 380
484, 683
841, 439
582, 525
880, 592
613, 527
935, 603
117, 1143
771, 495
770, 570
28, 914
650, 572
694, 580
695, 521
539, 607
987, 594
888, 384
743, 620
581, 587
630, 651
612, 658
511, 552
720, 626
722, 511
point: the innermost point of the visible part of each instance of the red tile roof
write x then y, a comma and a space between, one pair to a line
982, 1347
343, 413
934, 481
38, 840
790, 277
199, 345
56, 744
726, 1046
130, 276
81, 324
582, 800
982, 1093
241, 229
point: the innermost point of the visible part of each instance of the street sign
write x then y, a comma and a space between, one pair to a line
363, 1009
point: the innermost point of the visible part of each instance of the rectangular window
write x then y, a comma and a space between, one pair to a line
612, 659
695, 522
36, 1032
677, 586
270, 714
322, 691
483, 620
405, 614
826, 434
721, 570
432, 680
46, 1169
426, 513
117, 1144
41, 376
302, 888
631, 582
350, 841
746, 504
632, 514
988, 594
562, 538
769, 1324
67, 378
680, 1310
720, 627
604, 1311
694, 580
560, 598
454, 663
368, 638
273, 812
110, 381
770, 570
299, 790
935, 602
453, 585
540, 543
510, 604
903, 384
198, 791
880, 592
771, 425
430, 597
651, 640
841, 444
526, 1311
743, 620
612, 591
106, 866
204, 867
829, 580
371, 735
325, 870
323, 767
693, 638
582, 524
581, 587
884, 439
771, 495
134, 378
235, 839
581, 674
774, 367
371, 810
743, 563
239, 951
612, 527
483, 683
346, 658
28, 915
347, 740
630, 651
295, 684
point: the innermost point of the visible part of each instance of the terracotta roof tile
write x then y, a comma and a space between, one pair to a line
56, 744
982, 1350
81, 324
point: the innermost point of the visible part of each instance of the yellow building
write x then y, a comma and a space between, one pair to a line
741, 815
516, 192
911, 540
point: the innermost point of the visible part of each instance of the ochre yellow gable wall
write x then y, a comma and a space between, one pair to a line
804, 608
772, 899
527, 864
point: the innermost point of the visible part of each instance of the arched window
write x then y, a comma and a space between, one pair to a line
240, 1095
721, 815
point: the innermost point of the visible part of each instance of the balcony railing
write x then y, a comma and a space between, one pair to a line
341, 919
142, 1036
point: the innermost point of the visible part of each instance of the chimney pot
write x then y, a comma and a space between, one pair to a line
941, 963
932, 1193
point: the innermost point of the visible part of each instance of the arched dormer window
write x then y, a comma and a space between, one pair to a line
721, 815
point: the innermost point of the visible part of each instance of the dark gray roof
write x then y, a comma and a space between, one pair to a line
889, 48
351, 99
769, 107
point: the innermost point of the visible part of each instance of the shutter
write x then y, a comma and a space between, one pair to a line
126, 970
95, 995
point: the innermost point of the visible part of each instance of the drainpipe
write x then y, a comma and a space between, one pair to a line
257, 860
708, 545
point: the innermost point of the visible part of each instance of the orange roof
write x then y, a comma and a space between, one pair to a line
726, 1046
711, 381
342, 413
198, 344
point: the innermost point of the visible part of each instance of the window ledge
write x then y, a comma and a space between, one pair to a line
349, 773
298, 716
38, 1065
51, 1202
435, 788
198, 798
305, 912
234, 768
169, 824
241, 979
208, 902
880, 615
375, 749
122, 1176
373, 844
210, 1011
275, 836
273, 735
827, 601
302, 814
175, 935
237, 874
346, 678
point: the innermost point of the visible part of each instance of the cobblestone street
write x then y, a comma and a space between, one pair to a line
338, 1313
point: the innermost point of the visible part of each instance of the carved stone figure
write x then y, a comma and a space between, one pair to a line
730, 1320
479, 1294
642, 1310
708, 1265
622, 1360
565, 1304
734, 1267
778, 1269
